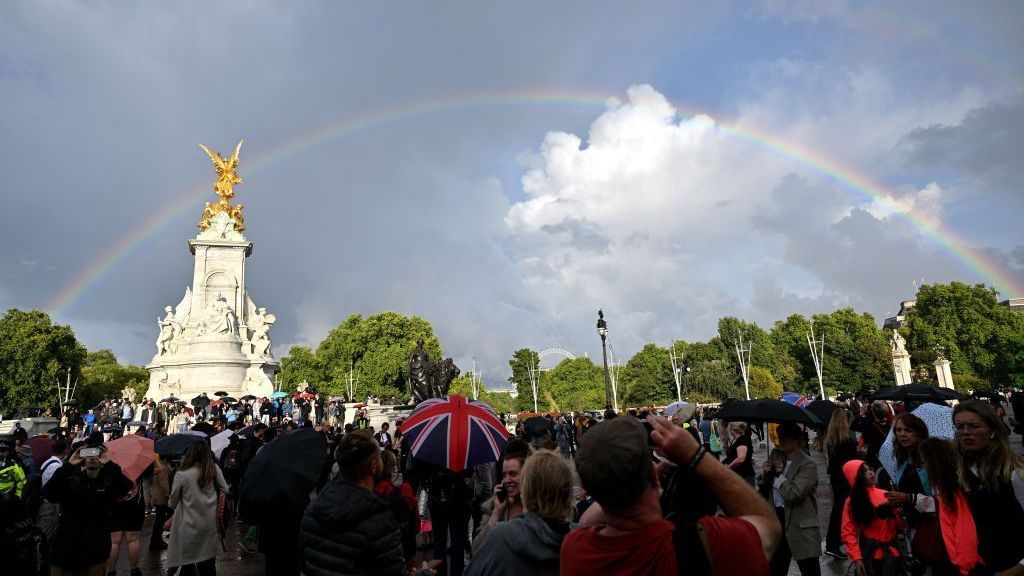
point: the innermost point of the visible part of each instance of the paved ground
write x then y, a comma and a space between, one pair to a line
237, 562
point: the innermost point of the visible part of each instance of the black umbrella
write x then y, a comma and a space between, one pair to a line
175, 444
205, 428
228, 399
71, 403
284, 471
823, 410
170, 400
917, 392
220, 393
248, 397
766, 410
111, 429
109, 419
201, 401
990, 395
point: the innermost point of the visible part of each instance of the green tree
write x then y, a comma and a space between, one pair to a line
575, 384
104, 377
763, 384
980, 337
763, 350
522, 361
302, 365
646, 379
34, 355
377, 349
500, 402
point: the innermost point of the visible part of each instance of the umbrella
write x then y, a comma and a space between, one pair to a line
918, 392
70, 403
175, 444
360, 405
248, 431
220, 393
111, 429
454, 432
248, 397
279, 395
822, 409
137, 423
219, 442
306, 396
170, 400
42, 448
228, 399
133, 453
938, 418
990, 395
205, 428
200, 401
766, 410
283, 470
798, 400
336, 399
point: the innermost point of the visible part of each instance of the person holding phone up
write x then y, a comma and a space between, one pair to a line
86, 488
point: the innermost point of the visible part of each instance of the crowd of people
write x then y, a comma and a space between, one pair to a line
644, 492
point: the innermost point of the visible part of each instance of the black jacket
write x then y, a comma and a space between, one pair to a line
83, 533
348, 530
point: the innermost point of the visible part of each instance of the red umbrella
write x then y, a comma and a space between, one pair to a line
133, 453
42, 448
306, 395
454, 432
360, 405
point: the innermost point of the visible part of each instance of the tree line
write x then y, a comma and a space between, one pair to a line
369, 355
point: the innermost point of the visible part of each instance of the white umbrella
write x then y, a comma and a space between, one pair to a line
219, 442
939, 420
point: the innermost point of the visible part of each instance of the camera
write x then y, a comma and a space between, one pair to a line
90, 452
502, 493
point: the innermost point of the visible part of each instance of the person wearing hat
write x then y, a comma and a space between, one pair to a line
794, 494
624, 531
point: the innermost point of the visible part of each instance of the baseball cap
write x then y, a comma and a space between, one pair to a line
614, 461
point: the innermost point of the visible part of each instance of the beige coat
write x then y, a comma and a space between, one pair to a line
160, 485
799, 491
194, 536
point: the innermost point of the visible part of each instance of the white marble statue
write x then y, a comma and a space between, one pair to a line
260, 324
220, 317
899, 343
170, 329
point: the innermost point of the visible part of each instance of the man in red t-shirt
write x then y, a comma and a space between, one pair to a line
624, 532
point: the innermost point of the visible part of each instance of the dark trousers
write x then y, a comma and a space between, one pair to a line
450, 521
204, 568
779, 566
833, 538
156, 536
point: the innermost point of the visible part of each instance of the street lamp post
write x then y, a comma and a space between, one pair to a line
602, 330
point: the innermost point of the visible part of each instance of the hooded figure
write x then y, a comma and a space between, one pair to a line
525, 544
869, 521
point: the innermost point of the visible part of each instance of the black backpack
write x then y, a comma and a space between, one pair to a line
33, 492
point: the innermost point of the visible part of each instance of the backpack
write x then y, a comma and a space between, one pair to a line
33, 492
225, 511
231, 458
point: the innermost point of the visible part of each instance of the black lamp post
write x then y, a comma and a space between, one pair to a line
602, 330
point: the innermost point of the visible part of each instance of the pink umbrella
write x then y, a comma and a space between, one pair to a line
42, 448
133, 453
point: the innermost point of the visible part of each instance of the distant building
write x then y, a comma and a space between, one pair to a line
897, 321
1014, 304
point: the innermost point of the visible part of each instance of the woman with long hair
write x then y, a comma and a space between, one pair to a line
531, 543
959, 533
994, 476
910, 490
841, 448
195, 542
870, 524
507, 501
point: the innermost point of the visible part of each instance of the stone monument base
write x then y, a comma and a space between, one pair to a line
210, 363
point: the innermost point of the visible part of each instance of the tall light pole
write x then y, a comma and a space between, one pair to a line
602, 330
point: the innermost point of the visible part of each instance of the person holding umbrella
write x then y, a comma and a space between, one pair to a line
348, 529
794, 494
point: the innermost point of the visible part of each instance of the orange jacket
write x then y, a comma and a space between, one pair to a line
880, 529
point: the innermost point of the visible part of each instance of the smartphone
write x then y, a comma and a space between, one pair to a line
90, 452
502, 494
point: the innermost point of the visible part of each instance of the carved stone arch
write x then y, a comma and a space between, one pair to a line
220, 282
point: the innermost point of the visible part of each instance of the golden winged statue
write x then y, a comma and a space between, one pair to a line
227, 178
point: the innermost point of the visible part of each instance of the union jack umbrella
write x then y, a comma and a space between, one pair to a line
798, 400
454, 432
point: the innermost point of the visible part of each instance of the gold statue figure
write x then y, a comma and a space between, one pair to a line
227, 178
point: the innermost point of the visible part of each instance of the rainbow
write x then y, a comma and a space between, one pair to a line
861, 185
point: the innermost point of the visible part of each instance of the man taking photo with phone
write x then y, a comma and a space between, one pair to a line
85, 487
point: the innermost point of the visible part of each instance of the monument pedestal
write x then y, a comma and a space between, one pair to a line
943, 373
901, 368
215, 339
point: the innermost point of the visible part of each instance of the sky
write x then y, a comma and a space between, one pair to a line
504, 171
